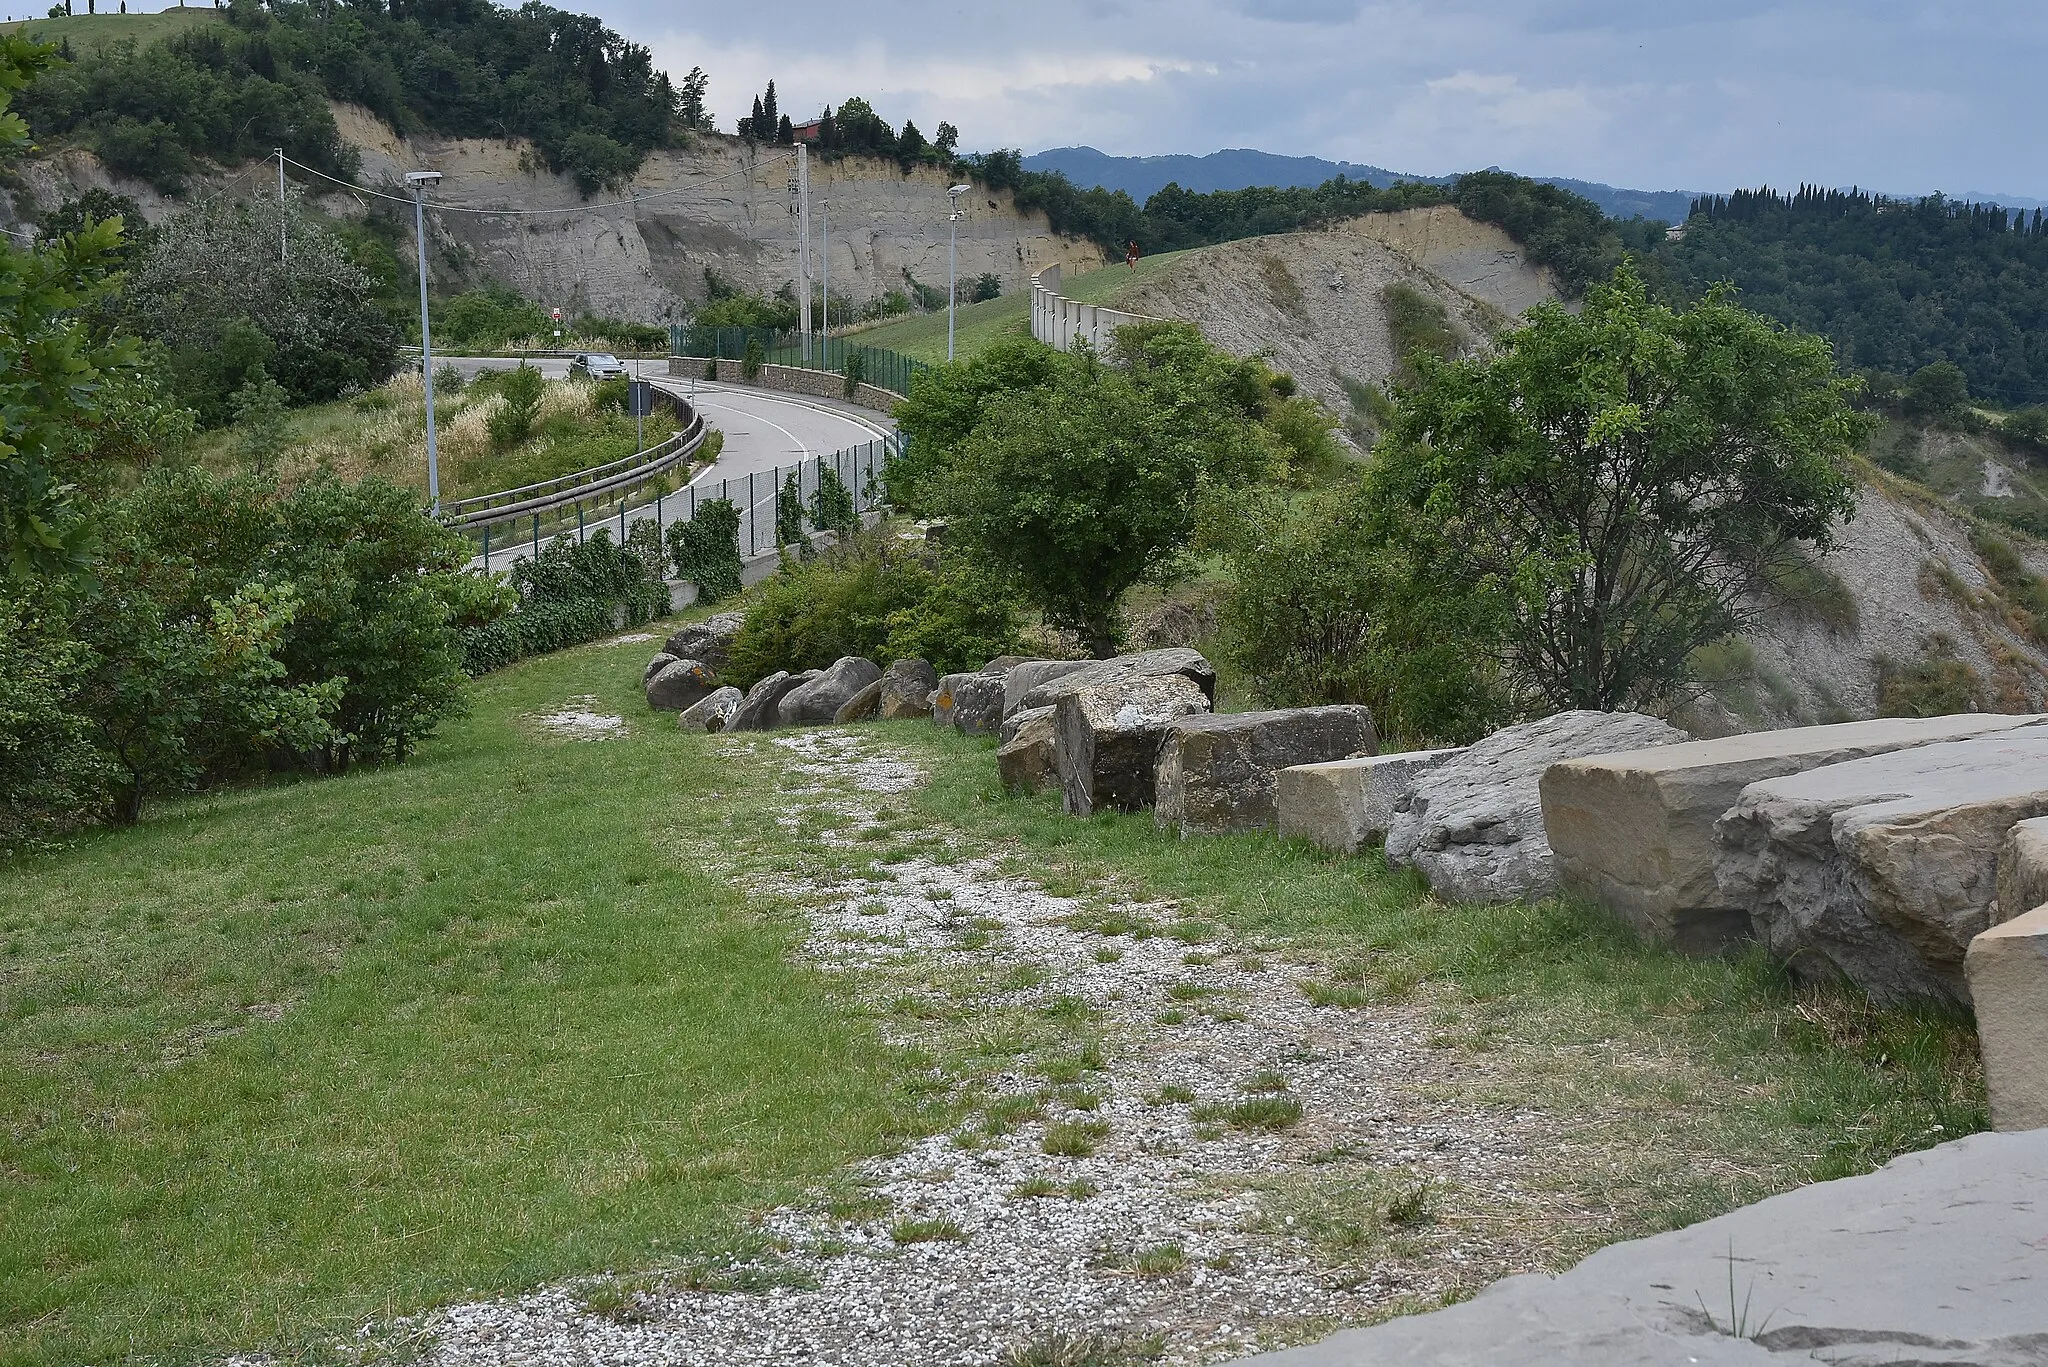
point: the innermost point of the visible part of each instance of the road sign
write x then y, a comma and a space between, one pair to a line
640, 399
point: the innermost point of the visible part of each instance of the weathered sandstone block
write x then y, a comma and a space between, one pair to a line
1145, 665
1106, 739
971, 704
2007, 969
709, 640
1026, 758
865, 705
907, 688
679, 684
1347, 804
1029, 675
1474, 826
1219, 774
1635, 831
2023, 868
1883, 868
818, 700
712, 713
762, 709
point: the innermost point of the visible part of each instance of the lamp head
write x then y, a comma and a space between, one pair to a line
422, 177
959, 190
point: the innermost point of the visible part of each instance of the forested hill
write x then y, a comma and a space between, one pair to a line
592, 102
1898, 284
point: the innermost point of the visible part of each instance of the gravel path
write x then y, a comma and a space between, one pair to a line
1216, 1165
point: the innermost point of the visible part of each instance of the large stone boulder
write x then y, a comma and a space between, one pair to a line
1935, 1258
712, 713
654, 666
1635, 831
1148, 664
709, 640
817, 701
2023, 867
762, 710
1219, 774
865, 705
1029, 675
907, 688
1347, 804
2007, 970
679, 684
971, 704
1883, 869
1106, 739
1026, 759
1474, 825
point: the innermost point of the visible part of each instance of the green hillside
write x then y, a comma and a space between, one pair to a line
93, 33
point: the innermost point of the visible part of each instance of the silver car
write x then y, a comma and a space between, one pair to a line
595, 365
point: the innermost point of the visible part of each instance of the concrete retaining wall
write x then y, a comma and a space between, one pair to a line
1061, 322
819, 384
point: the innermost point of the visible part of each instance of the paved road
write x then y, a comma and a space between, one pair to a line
765, 435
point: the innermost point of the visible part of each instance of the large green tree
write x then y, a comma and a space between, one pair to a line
1595, 500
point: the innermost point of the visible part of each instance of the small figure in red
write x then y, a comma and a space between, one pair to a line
1131, 254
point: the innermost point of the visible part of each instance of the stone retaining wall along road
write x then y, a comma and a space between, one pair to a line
1061, 322
819, 384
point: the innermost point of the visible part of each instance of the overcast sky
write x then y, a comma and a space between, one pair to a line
1643, 93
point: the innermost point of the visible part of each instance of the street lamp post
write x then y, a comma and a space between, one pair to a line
953, 264
419, 181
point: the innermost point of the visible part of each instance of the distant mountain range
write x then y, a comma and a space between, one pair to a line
1142, 177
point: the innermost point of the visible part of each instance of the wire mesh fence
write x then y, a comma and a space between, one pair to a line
878, 366
777, 507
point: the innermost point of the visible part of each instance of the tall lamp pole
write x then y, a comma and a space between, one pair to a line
953, 264
419, 181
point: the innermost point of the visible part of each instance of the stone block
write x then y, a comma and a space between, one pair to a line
907, 688
1106, 739
865, 705
709, 640
679, 685
1220, 774
1635, 831
1474, 826
762, 709
1148, 664
656, 665
1347, 804
1029, 675
971, 704
2023, 868
712, 713
818, 700
2007, 970
1026, 759
1883, 869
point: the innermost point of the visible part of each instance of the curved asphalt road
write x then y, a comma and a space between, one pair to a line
766, 433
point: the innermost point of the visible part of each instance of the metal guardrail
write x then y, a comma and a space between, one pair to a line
584, 486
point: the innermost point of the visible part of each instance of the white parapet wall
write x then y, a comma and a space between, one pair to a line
1061, 322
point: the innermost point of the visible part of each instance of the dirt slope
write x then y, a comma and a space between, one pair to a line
1315, 299
718, 203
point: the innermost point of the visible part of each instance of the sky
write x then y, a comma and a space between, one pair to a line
1649, 94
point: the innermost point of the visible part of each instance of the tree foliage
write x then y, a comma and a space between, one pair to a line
1594, 501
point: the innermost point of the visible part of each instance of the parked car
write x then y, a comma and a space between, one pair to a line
595, 365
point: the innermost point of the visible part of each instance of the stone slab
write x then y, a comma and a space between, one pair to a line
971, 704
712, 713
1940, 1257
2023, 868
907, 688
862, 706
1106, 740
1883, 869
2007, 968
1635, 831
816, 702
1026, 759
679, 685
1219, 774
1149, 664
1346, 805
1029, 675
1474, 825
762, 709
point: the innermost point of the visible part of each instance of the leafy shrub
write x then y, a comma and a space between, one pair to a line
523, 389
52, 777
856, 371
487, 319
750, 363
571, 593
1938, 684
985, 287
706, 550
832, 504
873, 597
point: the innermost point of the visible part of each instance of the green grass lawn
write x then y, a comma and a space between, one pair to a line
91, 32
286, 1059
980, 326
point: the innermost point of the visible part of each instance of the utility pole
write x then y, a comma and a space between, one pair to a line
803, 255
419, 181
953, 265
825, 272
280, 206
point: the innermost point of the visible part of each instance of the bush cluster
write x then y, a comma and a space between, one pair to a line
571, 593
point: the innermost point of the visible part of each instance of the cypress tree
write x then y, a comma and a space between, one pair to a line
768, 107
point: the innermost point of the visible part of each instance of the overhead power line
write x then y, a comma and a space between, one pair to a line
633, 202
